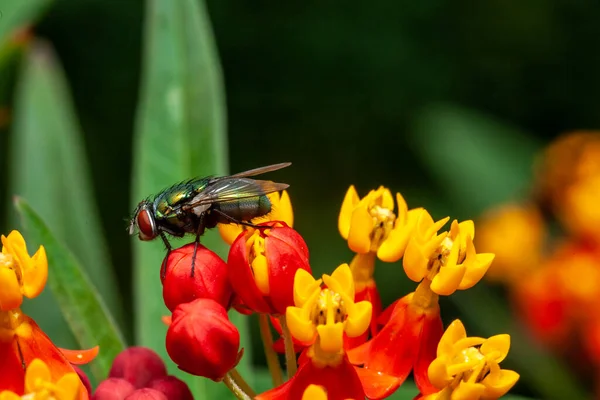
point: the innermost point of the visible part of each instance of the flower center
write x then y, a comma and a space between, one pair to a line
329, 308
480, 369
258, 261
383, 223
8, 261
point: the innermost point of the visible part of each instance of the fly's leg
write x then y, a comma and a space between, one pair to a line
235, 221
199, 233
163, 267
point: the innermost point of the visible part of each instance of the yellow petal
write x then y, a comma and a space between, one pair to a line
285, 211
6, 395
36, 275
69, 386
299, 324
414, 262
331, 337
260, 270
402, 210
304, 287
499, 344
438, 374
314, 392
341, 281
497, 384
455, 332
476, 265
361, 227
393, 247
37, 372
230, 232
467, 228
446, 281
350, 201
10, 295
359, 319
387, 200
468, 391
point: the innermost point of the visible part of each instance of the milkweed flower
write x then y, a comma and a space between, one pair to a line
210, 280
202, 341
21, 339
281, 210
138, 365
41, 384
468, 367
322, 318
262, 263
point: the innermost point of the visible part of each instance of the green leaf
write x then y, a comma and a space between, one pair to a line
543, 372
80, 303
180, 134
48, 167
17, 14
477, 160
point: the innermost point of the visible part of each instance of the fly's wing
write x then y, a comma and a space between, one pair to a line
260, 171
233, 188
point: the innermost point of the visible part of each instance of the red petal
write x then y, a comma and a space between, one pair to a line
12, 374
433, 330
376, 385
79, 357
384, 316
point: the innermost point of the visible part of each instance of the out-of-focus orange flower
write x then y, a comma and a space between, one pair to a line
281, 207
20, 274
40, 384
262, 263
515, 234
468, 367
370, 224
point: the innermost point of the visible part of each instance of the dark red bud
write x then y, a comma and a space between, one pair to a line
113, 389
172, 387
147, 394
210, 279
201, 340
138, 365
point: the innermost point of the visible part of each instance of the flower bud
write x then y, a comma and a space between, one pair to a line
201, 340
138, 365
262, 264
84, 379
172, 387
147, 394
210, 279
113, 389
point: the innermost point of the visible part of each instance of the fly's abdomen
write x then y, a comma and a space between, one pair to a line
245, 209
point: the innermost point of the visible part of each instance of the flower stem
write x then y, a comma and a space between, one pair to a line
290, 353
235, 388
272, 361
241, 382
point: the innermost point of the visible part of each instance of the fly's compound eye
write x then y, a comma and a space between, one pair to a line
147, 225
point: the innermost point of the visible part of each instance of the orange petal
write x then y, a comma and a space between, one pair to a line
10, 295
431, 334
230, 232
350, 201
376, 385
12, 374
79, 357
361, 226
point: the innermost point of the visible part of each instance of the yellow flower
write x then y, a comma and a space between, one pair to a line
39, 385
325, 315
20, 274
449, 259
281, 210
468, 367
370, 224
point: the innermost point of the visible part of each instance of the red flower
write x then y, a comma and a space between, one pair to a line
262, 264
209, 281
407, 342
202, 341
138, 366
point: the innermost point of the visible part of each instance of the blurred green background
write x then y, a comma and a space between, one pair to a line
445, 101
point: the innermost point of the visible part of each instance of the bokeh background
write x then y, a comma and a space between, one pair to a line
447, 102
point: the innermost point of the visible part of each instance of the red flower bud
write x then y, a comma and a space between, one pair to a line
84, 379
202, 341
262, 264
113, 389
172, 387
209, 281
147, 394
138, 365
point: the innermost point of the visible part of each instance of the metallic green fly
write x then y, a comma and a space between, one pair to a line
198, 204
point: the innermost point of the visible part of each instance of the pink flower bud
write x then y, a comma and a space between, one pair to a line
113, 389
172, 387
147, 394
138, 365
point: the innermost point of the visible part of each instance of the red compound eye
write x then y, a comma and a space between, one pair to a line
145, 222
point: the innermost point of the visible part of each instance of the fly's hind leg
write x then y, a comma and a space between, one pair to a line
199, 233
163, 267
235, 221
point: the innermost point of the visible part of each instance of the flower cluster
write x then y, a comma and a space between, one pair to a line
31, 364
553, 274
349, 347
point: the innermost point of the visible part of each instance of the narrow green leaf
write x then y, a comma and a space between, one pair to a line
77, 297
48, 166
180, 134
543, 372
477, 160
17, 14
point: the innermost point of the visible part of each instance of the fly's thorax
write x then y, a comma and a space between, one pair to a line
245, 209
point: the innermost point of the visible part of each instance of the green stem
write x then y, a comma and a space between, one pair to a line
235, 388
272, 361
241, 382
290, 354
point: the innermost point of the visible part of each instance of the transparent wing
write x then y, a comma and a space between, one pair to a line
231, 188
261, 170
